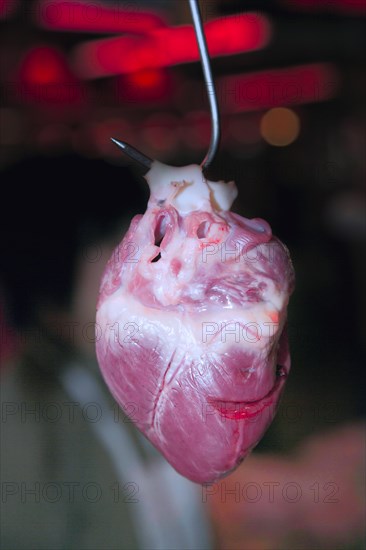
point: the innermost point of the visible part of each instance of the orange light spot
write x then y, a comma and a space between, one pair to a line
273, 315
280, 126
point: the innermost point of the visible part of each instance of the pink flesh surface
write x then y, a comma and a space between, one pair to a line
202, 394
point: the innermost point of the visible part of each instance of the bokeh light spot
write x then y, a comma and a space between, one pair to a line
280, 126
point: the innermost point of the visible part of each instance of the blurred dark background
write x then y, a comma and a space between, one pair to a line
291, 89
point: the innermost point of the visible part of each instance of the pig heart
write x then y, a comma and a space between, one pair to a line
191, 323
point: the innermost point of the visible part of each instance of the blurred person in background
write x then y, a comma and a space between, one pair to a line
75, 472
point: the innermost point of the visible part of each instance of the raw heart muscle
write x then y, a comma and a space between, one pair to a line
192, 323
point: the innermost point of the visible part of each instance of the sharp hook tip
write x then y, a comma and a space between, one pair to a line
133, 153
117, 142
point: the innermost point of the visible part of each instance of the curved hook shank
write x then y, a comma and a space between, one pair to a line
145, 161
210, 86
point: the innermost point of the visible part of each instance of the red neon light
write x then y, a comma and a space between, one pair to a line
170, 46
148, 85
44, 77
275, 88
43, 65
147, 79
84, 16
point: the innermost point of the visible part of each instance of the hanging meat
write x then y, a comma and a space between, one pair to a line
191, 323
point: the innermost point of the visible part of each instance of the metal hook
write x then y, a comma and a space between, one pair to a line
210, 85
133, 153
142, 159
